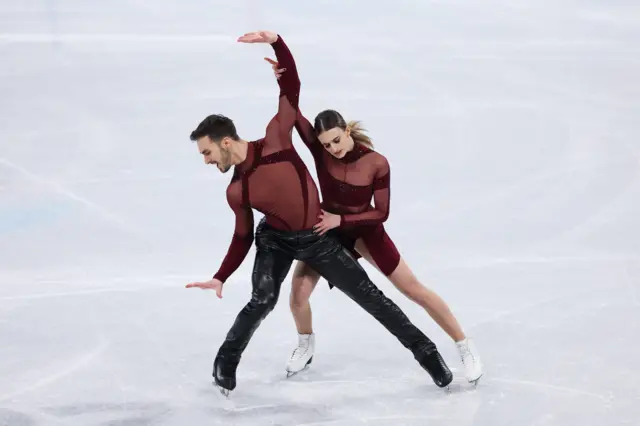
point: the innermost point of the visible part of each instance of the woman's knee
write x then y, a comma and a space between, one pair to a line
407, 283
302, 285
299, 297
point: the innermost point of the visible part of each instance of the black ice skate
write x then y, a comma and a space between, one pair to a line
224, 372
437, 368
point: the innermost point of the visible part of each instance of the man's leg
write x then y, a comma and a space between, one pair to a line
338, 266
269, 270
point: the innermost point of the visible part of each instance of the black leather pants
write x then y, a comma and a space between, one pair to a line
276, 251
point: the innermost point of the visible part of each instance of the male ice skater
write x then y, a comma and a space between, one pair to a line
271, 178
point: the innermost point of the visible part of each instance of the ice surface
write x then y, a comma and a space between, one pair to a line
513, 133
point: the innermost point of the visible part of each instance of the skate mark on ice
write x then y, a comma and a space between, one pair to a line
368, 420
253, 408
278, 413
11, 417
508, 261
101, 211
104, 281
126, 413
75, 293
457, 384
79, 409
357, 382
80, 362
528, 306
146, 283
545, 386
89, 292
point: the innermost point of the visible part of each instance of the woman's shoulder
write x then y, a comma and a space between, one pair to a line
377, 158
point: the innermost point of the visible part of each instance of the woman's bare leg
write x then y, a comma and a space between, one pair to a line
303, 283
407, 283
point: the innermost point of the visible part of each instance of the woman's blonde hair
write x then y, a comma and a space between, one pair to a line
358, 134
330, 119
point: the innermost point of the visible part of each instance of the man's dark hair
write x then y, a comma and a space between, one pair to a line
215, 126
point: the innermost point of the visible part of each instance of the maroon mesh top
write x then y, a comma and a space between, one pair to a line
349, 183
273, 179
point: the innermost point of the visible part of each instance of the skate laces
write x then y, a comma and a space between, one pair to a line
465, 351
300, 350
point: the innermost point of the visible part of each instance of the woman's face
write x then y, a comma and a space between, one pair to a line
336, 141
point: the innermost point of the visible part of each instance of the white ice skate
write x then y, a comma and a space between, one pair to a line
471, 360
302, 355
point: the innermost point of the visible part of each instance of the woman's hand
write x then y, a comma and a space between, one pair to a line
274, 65
327, 221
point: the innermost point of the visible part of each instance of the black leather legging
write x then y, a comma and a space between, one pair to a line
276, 251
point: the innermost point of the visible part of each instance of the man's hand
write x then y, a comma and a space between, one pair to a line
213, 284
259, 37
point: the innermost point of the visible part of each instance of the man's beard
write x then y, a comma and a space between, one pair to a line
225, 161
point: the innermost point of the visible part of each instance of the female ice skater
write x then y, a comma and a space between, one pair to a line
350, 173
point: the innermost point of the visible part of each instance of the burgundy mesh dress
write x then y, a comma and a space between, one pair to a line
347, 185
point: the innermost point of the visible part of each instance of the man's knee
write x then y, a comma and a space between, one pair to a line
359, 288
265, 294
264, 304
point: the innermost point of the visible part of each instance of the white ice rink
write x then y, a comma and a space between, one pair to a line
513, 132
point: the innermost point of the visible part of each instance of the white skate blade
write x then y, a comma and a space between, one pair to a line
306, 366
295, 373
475, 381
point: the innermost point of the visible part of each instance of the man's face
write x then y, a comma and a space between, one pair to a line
215, 153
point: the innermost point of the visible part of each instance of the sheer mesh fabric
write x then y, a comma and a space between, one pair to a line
273, 179
348, 184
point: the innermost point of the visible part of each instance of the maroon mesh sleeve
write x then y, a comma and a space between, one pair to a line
289, 82
242, 234
381, 199
308, 135
280, 128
